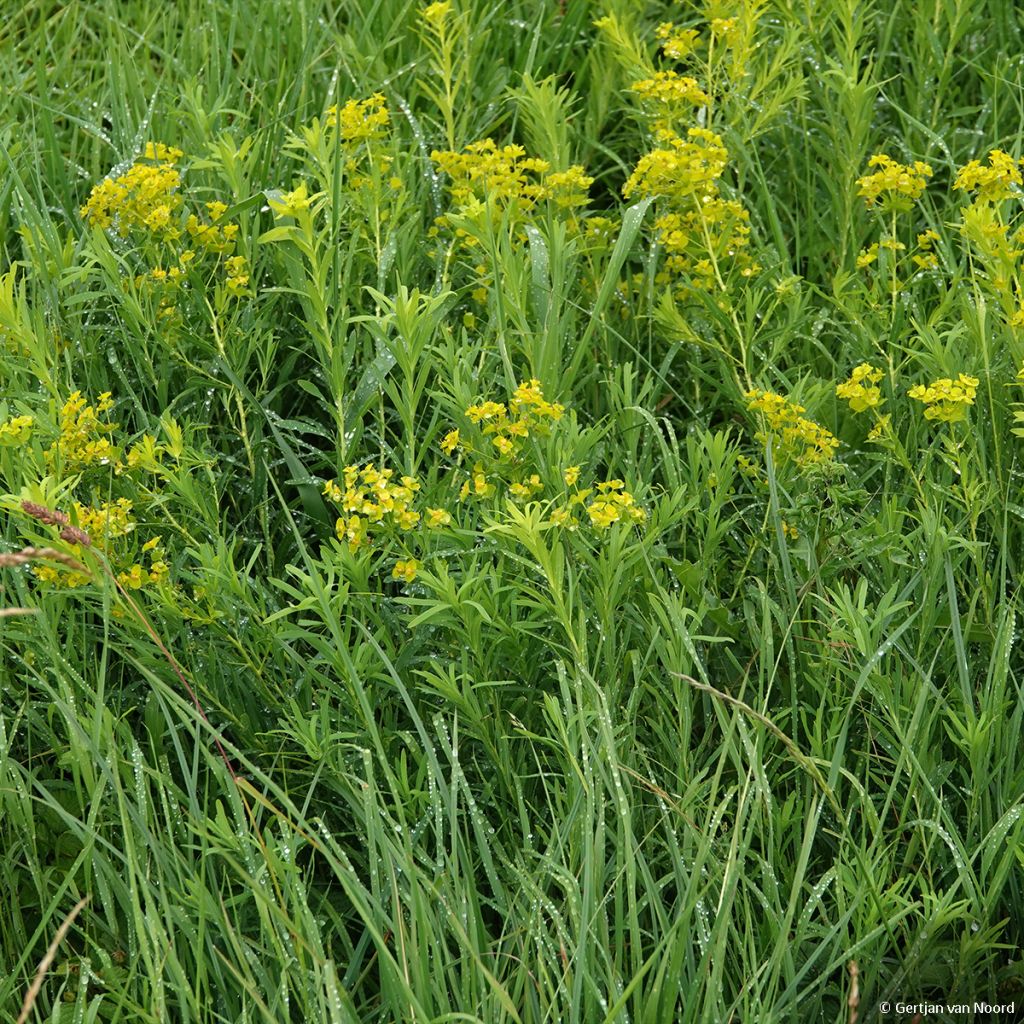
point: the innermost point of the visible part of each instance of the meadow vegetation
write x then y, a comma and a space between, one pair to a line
510, 511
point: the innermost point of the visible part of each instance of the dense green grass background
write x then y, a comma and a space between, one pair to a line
688, 771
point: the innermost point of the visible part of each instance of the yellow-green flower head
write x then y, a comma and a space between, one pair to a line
677, 43
568, 189
861, 390
434, 14
145, 197
667, 89
679, 168
291, 204
111, 519
405, 569
946, 400
485, 411
438, 517
612, 505
360, 120
16, 430
999, 180
791, 434
894, 186
81, 441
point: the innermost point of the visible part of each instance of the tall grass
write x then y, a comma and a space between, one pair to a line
756, 758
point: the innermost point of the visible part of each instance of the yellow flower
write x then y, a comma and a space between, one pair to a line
81, 440
161, 153
562, 517
792, 435
723, 27
485, 173
405, 569
668, 89
568, 189
16, 430
438, 517
946, 400
895, 185
999, 180
603, 514
134, 579
861, 389
881, 428
352, 530
407, 519
360, 120
486, 411
291, 204
677, 43
435, 13
144, 197
504, 445
571, 475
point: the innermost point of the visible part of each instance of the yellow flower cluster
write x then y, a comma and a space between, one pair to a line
528, 411
145, 197
680, 169
438, 518
895, 186
993, 183
792, 435
861, 390
369, 498
102, 525
237, 273
669, 93
82, 441
925, 257
146, 454
16, 430
69, 579
164, 283
111, 519
614, 504
568, 189
700, 229
405, 569
436, 12
291, 204
695, 240
138, 576
611, 504
505, 175
946, 400
599, 233
360, 120
984, 227
213, 236
724, 28
677, 43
